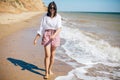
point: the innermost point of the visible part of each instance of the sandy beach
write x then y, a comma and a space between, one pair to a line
19, 58
10, 23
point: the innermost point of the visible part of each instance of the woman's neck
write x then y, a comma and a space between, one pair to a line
52, 15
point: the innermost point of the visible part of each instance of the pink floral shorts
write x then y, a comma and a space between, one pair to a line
46, 38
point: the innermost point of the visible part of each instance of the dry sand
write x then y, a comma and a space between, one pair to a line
7, 18
19, 59
10, 23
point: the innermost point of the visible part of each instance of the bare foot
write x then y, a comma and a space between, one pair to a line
51, 73
46, 76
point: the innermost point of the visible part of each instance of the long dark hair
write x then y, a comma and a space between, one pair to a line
49, 7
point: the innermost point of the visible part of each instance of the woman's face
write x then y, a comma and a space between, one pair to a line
52, 9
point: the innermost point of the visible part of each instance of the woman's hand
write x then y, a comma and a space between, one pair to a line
52, 37
35, 42
56, 33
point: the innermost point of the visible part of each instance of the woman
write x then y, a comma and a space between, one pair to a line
50, 28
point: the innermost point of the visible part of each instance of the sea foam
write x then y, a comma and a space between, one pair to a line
83, 49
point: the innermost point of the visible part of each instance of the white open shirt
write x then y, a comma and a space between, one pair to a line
49, 23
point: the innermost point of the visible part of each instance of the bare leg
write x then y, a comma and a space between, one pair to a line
52, 56
47, 59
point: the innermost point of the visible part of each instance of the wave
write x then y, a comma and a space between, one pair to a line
77, 45
83, 49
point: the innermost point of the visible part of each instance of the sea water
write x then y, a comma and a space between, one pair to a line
89, 39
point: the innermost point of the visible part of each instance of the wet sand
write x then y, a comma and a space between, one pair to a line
19, 58
102, 70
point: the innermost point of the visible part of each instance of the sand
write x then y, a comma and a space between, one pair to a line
102, 70
7, 18
19, 58
10, 23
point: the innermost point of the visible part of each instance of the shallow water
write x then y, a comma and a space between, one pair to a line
106, 26
90, 39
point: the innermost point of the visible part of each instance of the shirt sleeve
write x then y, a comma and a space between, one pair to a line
40, 31
59, 25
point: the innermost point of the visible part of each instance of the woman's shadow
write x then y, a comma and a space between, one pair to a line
26, 66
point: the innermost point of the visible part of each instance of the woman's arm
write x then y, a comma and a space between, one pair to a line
36, 39
39, 32
56, 33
